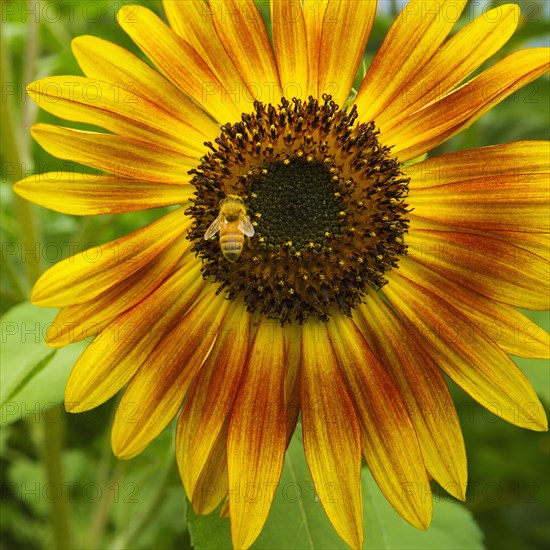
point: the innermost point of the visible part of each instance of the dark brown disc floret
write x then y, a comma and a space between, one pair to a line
326, 200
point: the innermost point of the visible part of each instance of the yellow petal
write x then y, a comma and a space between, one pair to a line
243, 34
332, 437
210, 401
101, 104
346, 28
80, 321
224, 510
257, 437
290, 43
86, 195
515, 333
314, 13
125, 158
292, 334
390, 443
516, 203
178, 61
413, 38
438, 121
453, 62
115, 355
192, 20
489, 266
87, 274
425, 393
494, 188
130, 77
210, 486
159, 386
536, 243
533, 243
472, 360
508, 159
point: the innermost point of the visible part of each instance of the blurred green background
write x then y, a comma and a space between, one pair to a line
59, 479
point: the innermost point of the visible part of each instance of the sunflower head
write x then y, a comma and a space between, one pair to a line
325, 198
299, 209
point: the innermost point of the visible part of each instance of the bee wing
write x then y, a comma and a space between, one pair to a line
217, 225
245, 226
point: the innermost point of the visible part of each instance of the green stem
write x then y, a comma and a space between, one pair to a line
53, 435
105, 504
17, 157
102, 509
127, 539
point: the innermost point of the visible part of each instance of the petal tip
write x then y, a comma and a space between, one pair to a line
124, 443
75, 406
119, 446
38, 298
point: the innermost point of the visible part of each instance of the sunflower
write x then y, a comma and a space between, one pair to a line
314, 262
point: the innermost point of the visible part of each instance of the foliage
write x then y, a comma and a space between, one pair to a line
140, 503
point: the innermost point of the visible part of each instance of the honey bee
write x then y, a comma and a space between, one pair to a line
233, 224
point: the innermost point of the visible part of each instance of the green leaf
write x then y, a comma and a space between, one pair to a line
33, 375
209, 531
452, 527
297, 520
23, 349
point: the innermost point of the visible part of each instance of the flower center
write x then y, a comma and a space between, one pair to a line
298, 210
296, 205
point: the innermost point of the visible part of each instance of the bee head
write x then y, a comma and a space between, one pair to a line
232, 199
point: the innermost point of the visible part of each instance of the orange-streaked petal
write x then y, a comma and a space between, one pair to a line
534, 243
508, 159
210, 486
256, 441
292, 334
125, 158
80, 321
490, 266
425, 393
70, 281
178, 61
314, 13
192, 20
290, 43
453, 62
224, 510
162, 382
413, 38
99, 103
91, 194
428, 127
474, 362
346, 28
390, 443
515, 202
515, 333
117, 352
242, 32
210, 400
514, 175
538, 244
332, 437
127, 74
